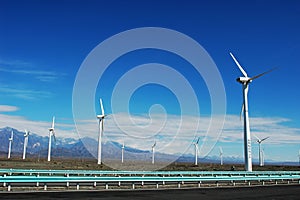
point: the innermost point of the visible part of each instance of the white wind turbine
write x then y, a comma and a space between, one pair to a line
153, 151
260, 150
299, 157
221, 155
247, 137
122, 158
196, 151
10, 142
25, 143
51, 132
101, 128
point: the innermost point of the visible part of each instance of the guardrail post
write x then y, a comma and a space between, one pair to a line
106, 186
178, 184
263, 182
37, 183
8, 187
199, 184
288, 182
276, 182
133, 186
77, 186
217, 183
68, 183
249, 183
95, 183
163, 180
4, 183
157, 185
45, 186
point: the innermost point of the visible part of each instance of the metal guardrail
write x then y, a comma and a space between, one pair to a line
10, 178
97, 172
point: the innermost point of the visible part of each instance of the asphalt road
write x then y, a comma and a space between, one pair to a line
262, 192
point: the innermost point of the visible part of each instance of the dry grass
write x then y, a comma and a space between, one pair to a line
91, 164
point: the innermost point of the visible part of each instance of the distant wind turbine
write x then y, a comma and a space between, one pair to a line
221, 155
299, 156
122, 158
25, 143
101, 129
247, 137
51, 132
153, 151
10, 142
260, 151
196, 151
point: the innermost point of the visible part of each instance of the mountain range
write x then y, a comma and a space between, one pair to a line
87, 148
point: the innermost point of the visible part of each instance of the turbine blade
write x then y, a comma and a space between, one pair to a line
238, 64
264, 138
154, 144
256, 137
101, 106
54, 137
221, 150
242, 111
102, 125
53, 119
259, 75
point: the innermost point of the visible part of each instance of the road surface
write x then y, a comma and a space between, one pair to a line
261, 192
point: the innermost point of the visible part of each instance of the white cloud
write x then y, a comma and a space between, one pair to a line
38, 127
7, 108
26, 94
170, 139
26, 68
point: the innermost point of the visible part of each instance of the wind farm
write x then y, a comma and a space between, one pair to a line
149, 99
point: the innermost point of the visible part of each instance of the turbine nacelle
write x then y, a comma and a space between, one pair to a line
26, 133
244, 80
100, 117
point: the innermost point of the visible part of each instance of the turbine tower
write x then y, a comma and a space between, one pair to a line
25, 143
260, 150
51, 132
153, 151
122, 158
299, 157
101, 128
10, 142
221, 155
196, 151
247, 137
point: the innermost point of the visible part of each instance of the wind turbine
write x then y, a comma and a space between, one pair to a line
51, 132
25, 143
101, 128
123, 146
247, 137
196, 151
299, 157
153, 150
260, 151
10, 142
221, 155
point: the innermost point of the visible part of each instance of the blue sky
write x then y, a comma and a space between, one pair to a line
43, 44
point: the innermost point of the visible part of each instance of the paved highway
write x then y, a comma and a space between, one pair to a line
262, 192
